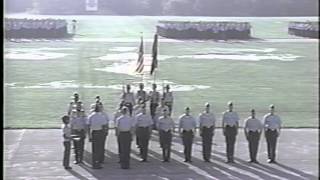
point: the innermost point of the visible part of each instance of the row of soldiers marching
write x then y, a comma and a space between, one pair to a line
138, 121
37, 28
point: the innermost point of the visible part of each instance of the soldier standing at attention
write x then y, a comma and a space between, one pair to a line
154, 101
124, 130
159, 112
230, 124
66, 130
252, 130
207, 122
97, 122
143, 132
78, 126
98, 101
165, 126
168, 99
187, 128
137, 110
272, 126
106, 128
128, 99
116, 115
141, 95
75, 103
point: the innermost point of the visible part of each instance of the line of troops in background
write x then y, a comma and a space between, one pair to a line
307, 26
206, 26
127, 123
37, 28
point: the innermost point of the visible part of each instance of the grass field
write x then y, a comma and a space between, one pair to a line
40, 76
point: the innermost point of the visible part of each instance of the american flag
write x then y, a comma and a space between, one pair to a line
154, 64
140, 64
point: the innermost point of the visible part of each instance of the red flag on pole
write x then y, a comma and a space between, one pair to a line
154, 64
140, 63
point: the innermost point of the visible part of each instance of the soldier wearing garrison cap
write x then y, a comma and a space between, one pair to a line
141, 95
125, 126
78, 130
97, 125
97, 102
74, 103
230, 124
207, 123
187, 129
165, 126
128, 99
168, 98
272, 126
154, 97
143, 132
252, 130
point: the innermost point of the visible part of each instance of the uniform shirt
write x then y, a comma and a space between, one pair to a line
141, 94
78, 122
125, 123
159, 112
137, 110
230, 118
207, 119
165, 123
143, 120
93, 106
252, 124
272, 121
154, 96
168, 97
128, 98
96, 120
66, 131
187, 122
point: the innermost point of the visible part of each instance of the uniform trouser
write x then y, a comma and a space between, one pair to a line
130, 107
271, 137
143, 135
66, 154
97, 147
153, 107
124, 139
207, 134
104, 137
187, 138
253, 139
230, 134
79, 144
165, 143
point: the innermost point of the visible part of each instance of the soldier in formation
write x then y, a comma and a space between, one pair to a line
96, 125
207, 125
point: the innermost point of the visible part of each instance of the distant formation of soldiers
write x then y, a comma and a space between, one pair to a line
204, 30
37, 28
304, 29
132, 118
206, 26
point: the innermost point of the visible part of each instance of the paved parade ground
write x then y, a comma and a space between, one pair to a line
37, 154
